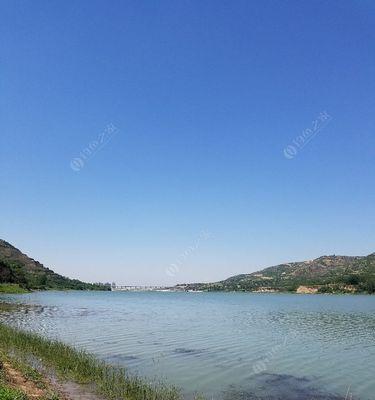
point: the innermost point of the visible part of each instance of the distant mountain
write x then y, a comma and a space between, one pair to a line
327, 274
18, 268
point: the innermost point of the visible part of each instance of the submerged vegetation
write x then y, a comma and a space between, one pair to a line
111, 382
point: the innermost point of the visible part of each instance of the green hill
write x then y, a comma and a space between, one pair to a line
327, 274
17, 270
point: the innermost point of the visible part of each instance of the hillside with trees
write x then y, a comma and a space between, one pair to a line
17, 268
326, 274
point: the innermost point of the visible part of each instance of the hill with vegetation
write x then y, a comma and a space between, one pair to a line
18, 271
326, 274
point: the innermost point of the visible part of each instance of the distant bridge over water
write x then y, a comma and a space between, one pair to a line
137, 288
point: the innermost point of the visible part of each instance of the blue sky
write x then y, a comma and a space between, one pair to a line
205, 97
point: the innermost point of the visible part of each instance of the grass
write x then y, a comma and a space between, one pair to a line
30, 373
12, 288
111, 382
7, 393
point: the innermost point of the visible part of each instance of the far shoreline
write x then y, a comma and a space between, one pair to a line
17, 290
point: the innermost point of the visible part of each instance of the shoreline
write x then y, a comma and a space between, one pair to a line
17, 290
33, 367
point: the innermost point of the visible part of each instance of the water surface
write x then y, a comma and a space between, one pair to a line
224, 345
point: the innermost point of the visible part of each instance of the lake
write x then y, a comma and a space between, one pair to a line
223, 345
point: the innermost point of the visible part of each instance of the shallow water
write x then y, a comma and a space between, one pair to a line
236, 346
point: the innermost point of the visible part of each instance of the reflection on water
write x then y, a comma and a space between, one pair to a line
225, 345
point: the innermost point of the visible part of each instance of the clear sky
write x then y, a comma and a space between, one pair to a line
143, 141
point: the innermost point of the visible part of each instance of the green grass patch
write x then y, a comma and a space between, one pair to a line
31, 374
112, 382
7, 393
12, 288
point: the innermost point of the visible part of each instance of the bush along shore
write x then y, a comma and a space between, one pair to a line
11, 288
30, 366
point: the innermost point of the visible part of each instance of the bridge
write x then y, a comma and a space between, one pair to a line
138, 288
